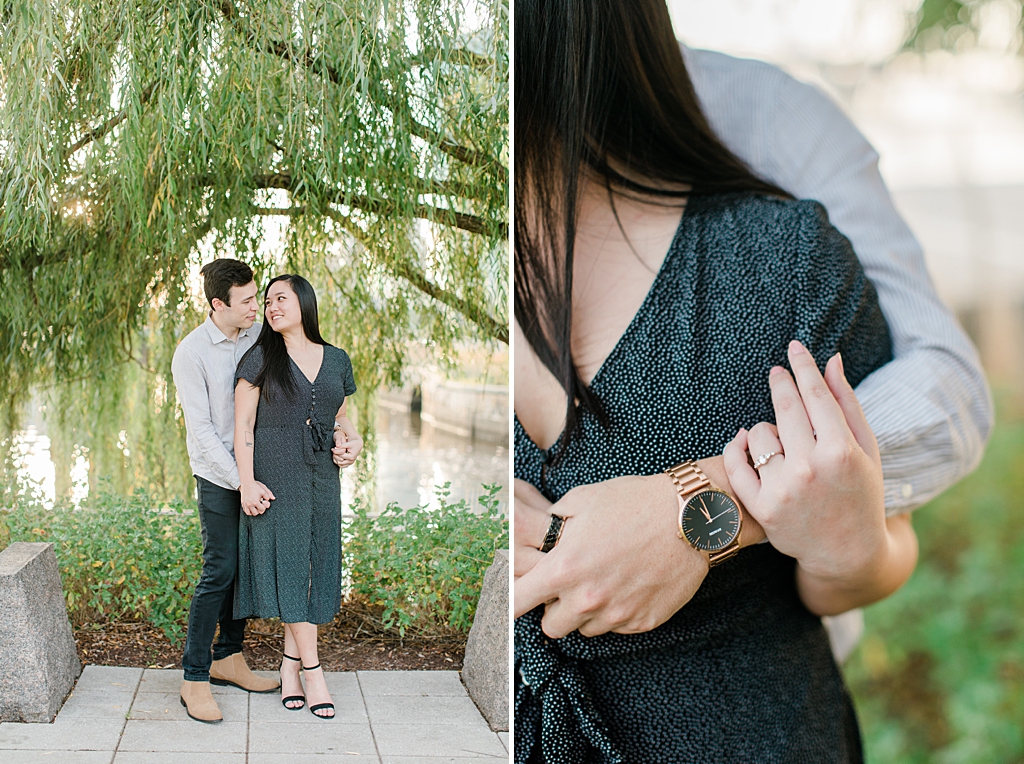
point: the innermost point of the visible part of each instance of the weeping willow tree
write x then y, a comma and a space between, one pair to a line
140, 138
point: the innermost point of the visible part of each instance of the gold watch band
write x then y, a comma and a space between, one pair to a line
688, 479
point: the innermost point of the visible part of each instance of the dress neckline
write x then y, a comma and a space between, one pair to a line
311, 382
673, 250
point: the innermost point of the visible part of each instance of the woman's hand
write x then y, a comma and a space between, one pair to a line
821, 498
346, 448
256, 497
347, 440
531, 516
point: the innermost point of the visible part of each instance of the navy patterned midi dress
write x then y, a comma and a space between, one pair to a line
289, 558
743, 672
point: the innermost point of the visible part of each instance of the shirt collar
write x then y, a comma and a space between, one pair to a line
217, 336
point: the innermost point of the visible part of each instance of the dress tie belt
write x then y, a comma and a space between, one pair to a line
316, 436
553, 696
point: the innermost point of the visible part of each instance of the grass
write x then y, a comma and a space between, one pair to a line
939, 675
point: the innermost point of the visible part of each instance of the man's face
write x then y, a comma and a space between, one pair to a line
241, 313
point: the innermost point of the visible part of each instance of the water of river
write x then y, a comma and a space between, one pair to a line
413, 459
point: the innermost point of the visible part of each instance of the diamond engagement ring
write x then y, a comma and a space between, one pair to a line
762, 460
554, 533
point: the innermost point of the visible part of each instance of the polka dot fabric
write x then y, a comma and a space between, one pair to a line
289, 558
742, 673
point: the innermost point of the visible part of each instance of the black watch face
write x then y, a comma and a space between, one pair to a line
711, 521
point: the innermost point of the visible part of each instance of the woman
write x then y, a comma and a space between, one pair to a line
657, 283
289, 399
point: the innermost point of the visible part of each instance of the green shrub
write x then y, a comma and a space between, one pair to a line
424, 567
120, 558
128, 559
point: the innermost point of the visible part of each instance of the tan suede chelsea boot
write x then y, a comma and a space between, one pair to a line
199, 702
234, 670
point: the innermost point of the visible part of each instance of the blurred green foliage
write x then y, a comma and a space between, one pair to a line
950, 24
134, 559
939, 676
422, 567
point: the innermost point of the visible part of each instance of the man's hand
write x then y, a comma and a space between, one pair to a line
620, 565
347, 446
256, 498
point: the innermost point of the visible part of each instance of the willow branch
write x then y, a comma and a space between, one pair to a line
64, 254
102, 129
406, 270
459, 56
319, 66
457, 150
449, 217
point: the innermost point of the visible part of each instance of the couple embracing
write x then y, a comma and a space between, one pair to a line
265, 413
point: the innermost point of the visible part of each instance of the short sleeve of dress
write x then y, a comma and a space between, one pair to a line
348, 381
250, 365
836, 305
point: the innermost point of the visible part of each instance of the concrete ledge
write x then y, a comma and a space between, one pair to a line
38, 660
486, 665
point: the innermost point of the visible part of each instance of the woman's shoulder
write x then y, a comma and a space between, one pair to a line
755, 209
250, 364
335, 353
253, 355
339, 358
787, 230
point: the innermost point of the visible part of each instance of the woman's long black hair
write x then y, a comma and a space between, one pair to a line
601, 88
276, 373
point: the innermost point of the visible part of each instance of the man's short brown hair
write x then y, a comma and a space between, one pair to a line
220, 275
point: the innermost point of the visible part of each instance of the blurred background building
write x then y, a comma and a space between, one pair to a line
937, 89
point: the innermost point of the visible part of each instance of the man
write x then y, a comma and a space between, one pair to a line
204, 374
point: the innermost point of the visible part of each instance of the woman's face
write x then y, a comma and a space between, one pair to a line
281, 309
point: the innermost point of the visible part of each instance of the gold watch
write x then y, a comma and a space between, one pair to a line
709, 519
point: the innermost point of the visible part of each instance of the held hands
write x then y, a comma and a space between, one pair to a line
620, 566
347, 446
256, 498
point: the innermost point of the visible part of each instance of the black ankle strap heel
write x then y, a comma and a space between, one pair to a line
293, 698
319, 706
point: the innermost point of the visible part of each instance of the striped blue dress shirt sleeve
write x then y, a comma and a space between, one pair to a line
930, 408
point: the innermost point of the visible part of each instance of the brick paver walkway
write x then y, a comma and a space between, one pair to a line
133, 716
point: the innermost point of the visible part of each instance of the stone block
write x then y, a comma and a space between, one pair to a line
38, 661
486, 666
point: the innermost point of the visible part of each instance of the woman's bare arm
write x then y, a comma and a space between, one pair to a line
247, 398
887, 573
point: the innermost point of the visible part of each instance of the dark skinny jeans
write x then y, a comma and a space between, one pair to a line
213, 600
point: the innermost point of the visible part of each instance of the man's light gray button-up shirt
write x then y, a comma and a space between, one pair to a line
204, 373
